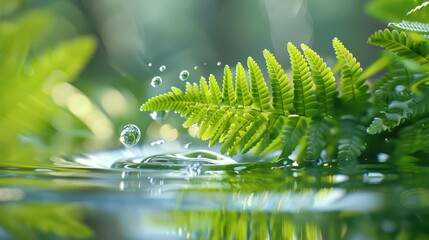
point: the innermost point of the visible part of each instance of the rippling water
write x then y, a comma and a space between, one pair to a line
202, 195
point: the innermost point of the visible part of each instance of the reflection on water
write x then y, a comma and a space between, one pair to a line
196, 199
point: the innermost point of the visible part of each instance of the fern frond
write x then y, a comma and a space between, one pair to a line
281, 88
353, 87
418, 27
326, 88
305, 101
351, 142
402, 45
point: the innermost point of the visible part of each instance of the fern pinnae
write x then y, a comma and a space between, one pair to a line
400, 44
326, 88
228, 93
205, 91
316, 138
418, 27
351, 85
242, 89
281, 88
258, 86
215, 93
305, 102
293, 131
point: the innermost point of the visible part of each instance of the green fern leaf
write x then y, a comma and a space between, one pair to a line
305, 101
228, 95
281, 88
353, 87
294, 130
402, 45
326, 88
351, 142
419, 105
418, 27
316, 138
242, 90
260, 95
414, 138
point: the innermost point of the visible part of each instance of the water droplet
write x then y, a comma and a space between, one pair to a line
386, 140
184, 75
194, 169
156, 81
130, 135
188, 145
205, 64
162, 68
149, 64
196, 67
400, 88
218, 63
382, 157
159, 115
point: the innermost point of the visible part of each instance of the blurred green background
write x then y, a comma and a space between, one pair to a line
72, 73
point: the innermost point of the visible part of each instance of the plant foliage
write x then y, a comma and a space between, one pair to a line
312, 116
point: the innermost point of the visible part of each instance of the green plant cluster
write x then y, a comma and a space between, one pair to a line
318, 116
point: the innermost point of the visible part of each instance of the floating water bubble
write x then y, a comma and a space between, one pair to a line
184, 75
149, 64
382, 157
218, 63
162, 68
400, 88
157, 143
130, 135
188, 145
196, 67
156, 81
194, 169
158, 115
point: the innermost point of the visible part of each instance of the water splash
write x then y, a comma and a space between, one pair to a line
194, 169
157, 143
178, 161
184, 75
156, 81
188, 145
130, 135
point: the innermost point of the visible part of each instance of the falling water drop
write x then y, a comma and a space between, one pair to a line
184, 75
218, 63
159, 115
149, 64
156, 81
194, 169
162, 68
188, 145
130, 135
